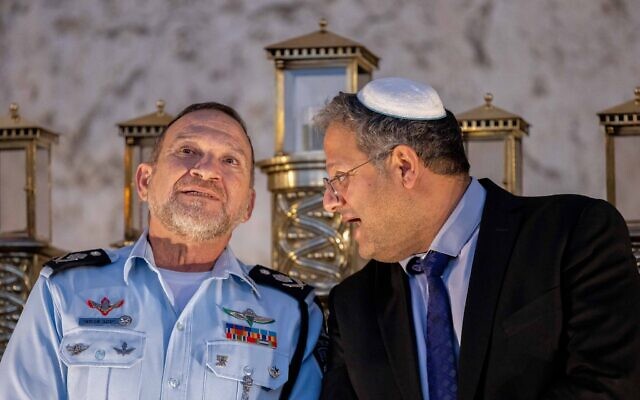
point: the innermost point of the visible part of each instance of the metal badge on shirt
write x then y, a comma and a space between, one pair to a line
249, 315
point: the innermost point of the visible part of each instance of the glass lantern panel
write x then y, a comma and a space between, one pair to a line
487, 160
13, 196
43, 194
627, 158
306, 91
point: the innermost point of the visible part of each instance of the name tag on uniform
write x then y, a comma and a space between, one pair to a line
124, 320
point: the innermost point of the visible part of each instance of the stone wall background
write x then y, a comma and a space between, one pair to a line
78, 67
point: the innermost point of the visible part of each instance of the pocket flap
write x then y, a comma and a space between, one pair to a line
102, 348
267, 367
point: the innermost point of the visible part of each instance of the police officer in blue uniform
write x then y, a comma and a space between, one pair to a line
177, 315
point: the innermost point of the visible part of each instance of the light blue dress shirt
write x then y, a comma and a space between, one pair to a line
457, 238
110, 332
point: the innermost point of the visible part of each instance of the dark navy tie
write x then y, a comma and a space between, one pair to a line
442, 372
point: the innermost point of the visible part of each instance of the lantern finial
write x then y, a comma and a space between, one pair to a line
323, 24
488, 98
14, 109
160, 106
637, 93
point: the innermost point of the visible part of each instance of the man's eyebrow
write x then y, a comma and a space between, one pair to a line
185, 137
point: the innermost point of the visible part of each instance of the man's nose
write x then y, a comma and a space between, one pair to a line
330, 201
206, 168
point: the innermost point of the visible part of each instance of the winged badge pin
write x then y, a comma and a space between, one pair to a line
248, 315
105, 306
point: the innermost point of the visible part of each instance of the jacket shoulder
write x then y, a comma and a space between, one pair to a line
364, 279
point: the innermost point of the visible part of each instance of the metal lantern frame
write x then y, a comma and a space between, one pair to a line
23, 252
622, 120
308, 242
139, 133
320, 49
16, 133
491, 123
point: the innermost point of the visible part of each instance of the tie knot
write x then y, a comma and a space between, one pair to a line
434, 264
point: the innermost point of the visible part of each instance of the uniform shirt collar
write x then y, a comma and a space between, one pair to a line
459, 227
226, 264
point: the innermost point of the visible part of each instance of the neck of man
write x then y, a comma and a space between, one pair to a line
180, 253
444, 192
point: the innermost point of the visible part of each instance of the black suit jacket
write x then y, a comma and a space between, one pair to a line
552, 311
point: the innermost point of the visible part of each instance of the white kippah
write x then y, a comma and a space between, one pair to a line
402, 98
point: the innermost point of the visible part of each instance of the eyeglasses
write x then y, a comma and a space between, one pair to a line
339, 179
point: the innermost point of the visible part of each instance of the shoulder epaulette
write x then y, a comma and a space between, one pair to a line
292, 286
94, 258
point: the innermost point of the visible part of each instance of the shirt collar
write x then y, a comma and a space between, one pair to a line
226, 264
461, 224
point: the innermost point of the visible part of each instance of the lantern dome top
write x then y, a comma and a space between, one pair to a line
157, 118
623, 119
14, 127
629, 107
489, 117
320, 44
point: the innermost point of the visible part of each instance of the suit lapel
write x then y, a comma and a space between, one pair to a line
498, 231
395, 320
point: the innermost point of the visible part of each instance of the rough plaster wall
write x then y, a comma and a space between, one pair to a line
79, 67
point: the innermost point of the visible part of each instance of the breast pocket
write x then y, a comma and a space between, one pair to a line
244, 371
102, 363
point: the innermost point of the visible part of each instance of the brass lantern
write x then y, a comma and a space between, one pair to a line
25, 213
488, 132
308, 242
621, 126
140, 136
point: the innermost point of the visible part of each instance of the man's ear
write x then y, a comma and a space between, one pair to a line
405, 165
143, 177
252, 202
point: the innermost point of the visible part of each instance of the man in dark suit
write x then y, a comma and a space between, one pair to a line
496, 296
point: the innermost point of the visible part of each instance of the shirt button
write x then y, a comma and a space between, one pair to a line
100, 355
174, 383
180, 326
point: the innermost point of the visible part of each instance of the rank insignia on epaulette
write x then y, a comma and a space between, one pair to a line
95, 257
290, 285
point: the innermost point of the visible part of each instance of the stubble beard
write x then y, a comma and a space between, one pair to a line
191, 219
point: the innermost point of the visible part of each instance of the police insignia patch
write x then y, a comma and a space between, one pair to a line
247, 334
248, 315
105, 306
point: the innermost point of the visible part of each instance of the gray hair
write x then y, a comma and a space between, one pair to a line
438, 143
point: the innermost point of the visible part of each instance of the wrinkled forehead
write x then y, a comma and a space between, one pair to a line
205, 123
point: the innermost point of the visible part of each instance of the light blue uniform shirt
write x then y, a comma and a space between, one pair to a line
110, 332
457, 238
